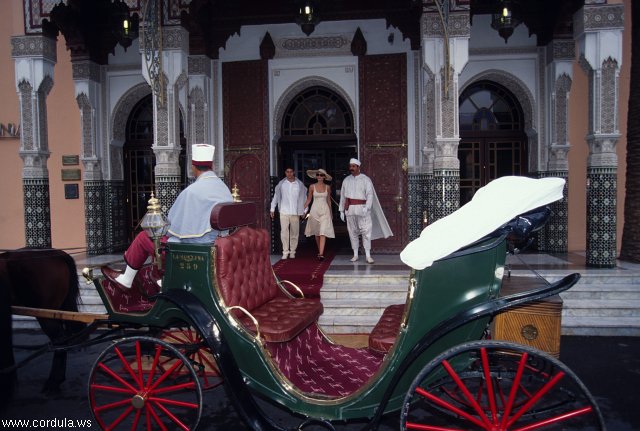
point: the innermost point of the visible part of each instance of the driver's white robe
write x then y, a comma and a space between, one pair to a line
366, 220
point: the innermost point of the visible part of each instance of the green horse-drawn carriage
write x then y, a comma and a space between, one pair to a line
428, 360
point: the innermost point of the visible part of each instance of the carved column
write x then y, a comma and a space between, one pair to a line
445, 42
598, 30
166, 107
199, 103
87, 80
559, 71
35, 58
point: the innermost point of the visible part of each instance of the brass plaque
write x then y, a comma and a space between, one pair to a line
70, 174
73, 160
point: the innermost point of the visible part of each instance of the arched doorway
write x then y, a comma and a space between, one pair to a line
492, 139
140, 161
318, 131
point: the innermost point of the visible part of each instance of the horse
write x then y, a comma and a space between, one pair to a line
44, 278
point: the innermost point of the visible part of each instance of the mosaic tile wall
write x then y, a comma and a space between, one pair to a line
37, 212
168, 189
418, 203
446, 193
115, 218
601, 217
95, 217
553, 238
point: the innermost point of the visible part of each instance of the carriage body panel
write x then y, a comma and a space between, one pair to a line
452, 284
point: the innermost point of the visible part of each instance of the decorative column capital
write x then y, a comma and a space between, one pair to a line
35, 58
199, 65
85, 70
598, 32
92, 169
34, 46
445, 43
558, 157
446, 154
167, 162
429, 156
602, 150
35, 163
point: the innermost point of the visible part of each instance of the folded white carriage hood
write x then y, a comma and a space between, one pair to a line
491, 207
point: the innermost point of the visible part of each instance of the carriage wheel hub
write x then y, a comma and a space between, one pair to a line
138, 401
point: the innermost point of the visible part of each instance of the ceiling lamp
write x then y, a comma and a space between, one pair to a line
504, 21
307, 18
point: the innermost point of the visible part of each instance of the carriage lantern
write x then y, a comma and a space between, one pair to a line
155, 224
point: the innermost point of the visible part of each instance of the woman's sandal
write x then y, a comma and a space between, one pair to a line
320, 257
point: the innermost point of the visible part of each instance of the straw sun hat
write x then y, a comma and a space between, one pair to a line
312, 173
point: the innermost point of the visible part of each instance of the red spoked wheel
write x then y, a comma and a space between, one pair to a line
144, 383
192, 345
498, 386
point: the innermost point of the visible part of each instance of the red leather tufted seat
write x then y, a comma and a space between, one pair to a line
385, 332
245, 278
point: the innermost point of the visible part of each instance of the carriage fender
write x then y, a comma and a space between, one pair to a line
235, 386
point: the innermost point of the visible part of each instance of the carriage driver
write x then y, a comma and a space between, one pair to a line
188, 217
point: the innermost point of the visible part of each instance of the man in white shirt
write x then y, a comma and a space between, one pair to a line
358, 201
289, 196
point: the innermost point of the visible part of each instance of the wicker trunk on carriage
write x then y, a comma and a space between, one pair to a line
426, 360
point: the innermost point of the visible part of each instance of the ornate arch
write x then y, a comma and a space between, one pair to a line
527, 102
123, 108
515, 86
297, 88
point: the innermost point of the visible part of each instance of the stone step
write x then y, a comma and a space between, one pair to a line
353, 304
601, 278
376, 295
96, 308
25, 322
354, 324
346, 284
601, 308
360, 307
594, 291
603, 326
602, 303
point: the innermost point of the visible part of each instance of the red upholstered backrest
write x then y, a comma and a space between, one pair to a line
243, 268
227, 215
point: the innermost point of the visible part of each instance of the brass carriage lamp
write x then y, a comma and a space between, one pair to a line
155, 224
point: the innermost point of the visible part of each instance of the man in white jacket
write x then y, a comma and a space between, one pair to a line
364, 216
289, 196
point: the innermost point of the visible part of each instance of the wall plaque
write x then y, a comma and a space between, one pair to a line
71, 160
71, 191
70, 174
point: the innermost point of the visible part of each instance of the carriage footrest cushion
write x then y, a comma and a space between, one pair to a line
385, 332
281, 319
133, 300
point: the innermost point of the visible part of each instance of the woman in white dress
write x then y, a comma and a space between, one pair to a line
320, 219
